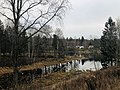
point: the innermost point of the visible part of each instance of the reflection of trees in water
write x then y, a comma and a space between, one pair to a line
76, 65
27, 76
83, 62
73, 65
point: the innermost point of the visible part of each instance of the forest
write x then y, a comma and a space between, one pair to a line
36, 55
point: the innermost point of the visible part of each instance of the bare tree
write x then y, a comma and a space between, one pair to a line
30, 15
60, 42
59, 33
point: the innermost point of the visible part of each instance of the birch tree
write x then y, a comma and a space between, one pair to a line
31, 15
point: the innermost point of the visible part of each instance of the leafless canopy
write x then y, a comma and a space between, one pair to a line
59, 33
32, 14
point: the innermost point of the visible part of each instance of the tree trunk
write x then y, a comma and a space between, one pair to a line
0, 53
29, 55
15, 77
15, 65
15, 56
111, 62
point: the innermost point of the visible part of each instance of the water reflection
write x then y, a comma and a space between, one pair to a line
87, 65
28, 75
73, 65
62, 67
90, 65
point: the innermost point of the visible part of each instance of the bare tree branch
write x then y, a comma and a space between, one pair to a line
47, 21
49, 9
32, 5
3, 7
30, 25
7, 17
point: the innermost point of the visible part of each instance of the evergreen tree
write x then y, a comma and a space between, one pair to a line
109, 42
9, 39
82, 41
37, 45
118, 41
1, 36
23, 48
61, 48
45, 45
55, 44
96, 43
6, 43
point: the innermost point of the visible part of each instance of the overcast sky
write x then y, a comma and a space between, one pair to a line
87, 17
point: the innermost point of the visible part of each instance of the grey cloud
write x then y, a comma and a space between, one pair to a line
90, 15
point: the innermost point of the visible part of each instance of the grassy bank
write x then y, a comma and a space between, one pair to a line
107, 79
40, 63
48, 62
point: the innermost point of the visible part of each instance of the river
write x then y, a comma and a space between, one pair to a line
73, 65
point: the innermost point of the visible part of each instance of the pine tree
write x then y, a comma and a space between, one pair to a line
109, 42
82, 41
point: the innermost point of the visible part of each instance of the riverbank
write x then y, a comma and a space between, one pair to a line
41, 63
48, 62
107, 79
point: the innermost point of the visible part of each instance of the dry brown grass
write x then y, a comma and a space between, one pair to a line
42, 63
108, 79
56, 81
48, 62
101, 80
4, 70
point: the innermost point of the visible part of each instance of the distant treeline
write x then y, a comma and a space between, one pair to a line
39, 46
